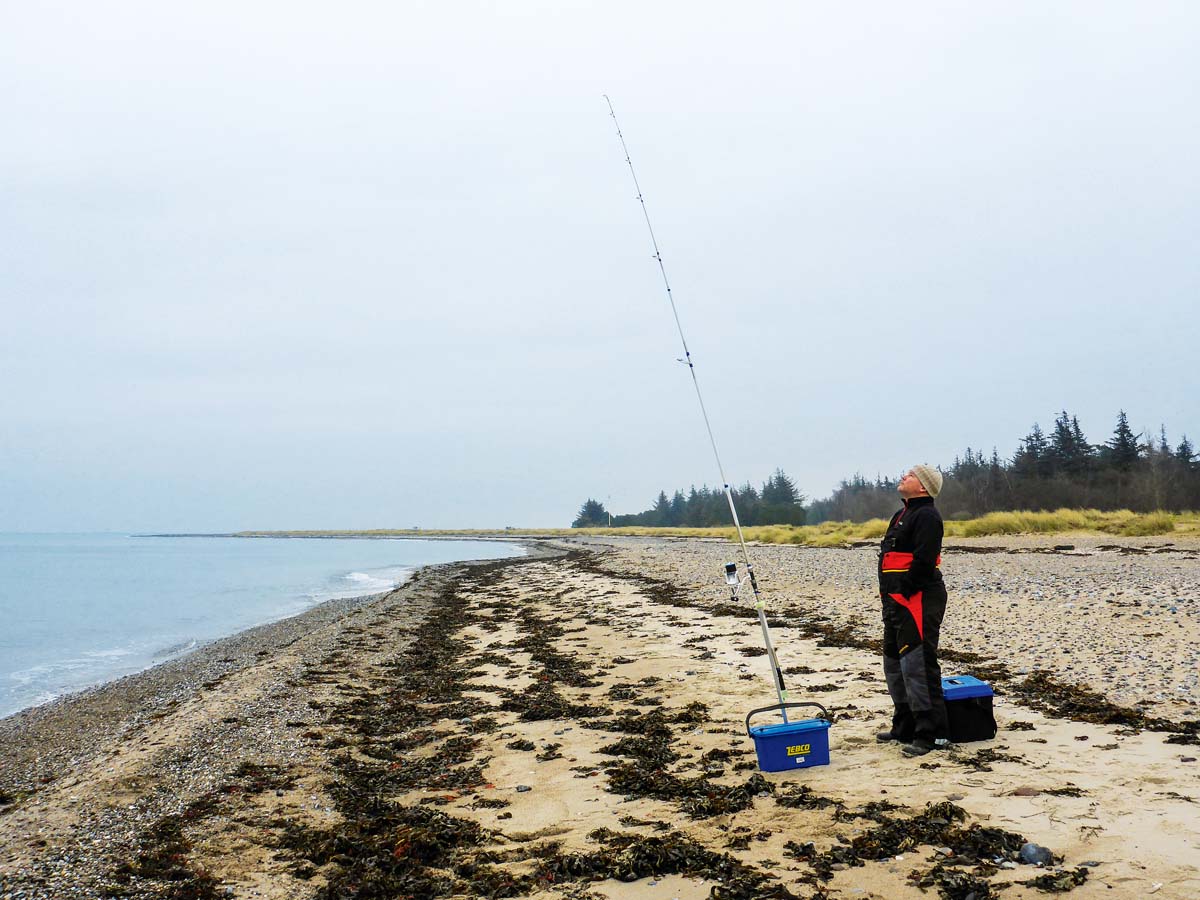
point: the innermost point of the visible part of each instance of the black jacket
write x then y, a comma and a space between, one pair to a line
911, 551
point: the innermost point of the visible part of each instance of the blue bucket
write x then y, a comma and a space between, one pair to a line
790, 745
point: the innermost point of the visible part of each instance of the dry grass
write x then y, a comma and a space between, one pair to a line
837, 534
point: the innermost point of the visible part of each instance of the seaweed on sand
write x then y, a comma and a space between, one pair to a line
628, 857
654, 589
648, 752
954, 884
1059, 882
741, 837
801, 796
651, 751
1190, 737
255, 778
981, 760
537, 639
939, 824
1069, 790
698, 797
489, 803
543, 701
162, 857
1041, 691
872, 810
387, 850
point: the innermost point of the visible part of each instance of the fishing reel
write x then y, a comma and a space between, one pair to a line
733, 579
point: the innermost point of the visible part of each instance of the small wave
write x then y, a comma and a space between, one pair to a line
37, 700
175, 649
367, 582
47, 670
116, 653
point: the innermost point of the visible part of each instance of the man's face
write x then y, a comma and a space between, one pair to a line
910, 486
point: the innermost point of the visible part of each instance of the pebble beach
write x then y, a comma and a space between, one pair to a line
571, 724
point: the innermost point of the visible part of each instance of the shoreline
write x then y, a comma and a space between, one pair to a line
285, 607
109, 709
544, 715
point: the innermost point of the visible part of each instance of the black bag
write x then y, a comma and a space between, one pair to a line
971, 720
969, 709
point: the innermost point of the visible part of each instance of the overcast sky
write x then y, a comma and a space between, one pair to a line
288, 265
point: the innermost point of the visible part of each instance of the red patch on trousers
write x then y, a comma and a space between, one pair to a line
913, 605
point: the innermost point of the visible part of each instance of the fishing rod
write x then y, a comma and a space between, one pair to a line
732, 578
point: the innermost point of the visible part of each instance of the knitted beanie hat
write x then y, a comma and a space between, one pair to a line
930, 478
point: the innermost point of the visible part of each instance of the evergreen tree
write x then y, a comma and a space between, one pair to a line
1069, 449
1185, 453
591, 515
1122, 450
660, 513
995, 470
678, 508
780, 490
1085, 453
694, 514
782, 503
1031, 459
749, 505
998, 493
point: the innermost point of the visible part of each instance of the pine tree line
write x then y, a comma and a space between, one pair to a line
1046, 472
778, 502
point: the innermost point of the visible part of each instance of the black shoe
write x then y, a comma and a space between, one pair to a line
918, 747
885, 736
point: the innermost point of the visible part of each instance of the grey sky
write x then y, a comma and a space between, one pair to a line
295, 265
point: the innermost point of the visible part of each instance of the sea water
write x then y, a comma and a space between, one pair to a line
77, 610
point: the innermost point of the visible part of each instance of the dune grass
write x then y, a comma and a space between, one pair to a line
1122, 523
1119, 522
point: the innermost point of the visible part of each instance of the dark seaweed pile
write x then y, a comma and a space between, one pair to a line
941, 825
1059, 882
647, 755
981, 760
955, 884
161, 864
628, 857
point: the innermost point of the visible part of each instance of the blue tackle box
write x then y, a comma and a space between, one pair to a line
790, 745
969, 709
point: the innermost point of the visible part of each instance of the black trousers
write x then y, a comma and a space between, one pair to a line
910, 664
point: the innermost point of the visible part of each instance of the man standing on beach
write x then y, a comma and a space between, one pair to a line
914, 602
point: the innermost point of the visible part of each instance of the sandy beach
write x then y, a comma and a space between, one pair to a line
572, 724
